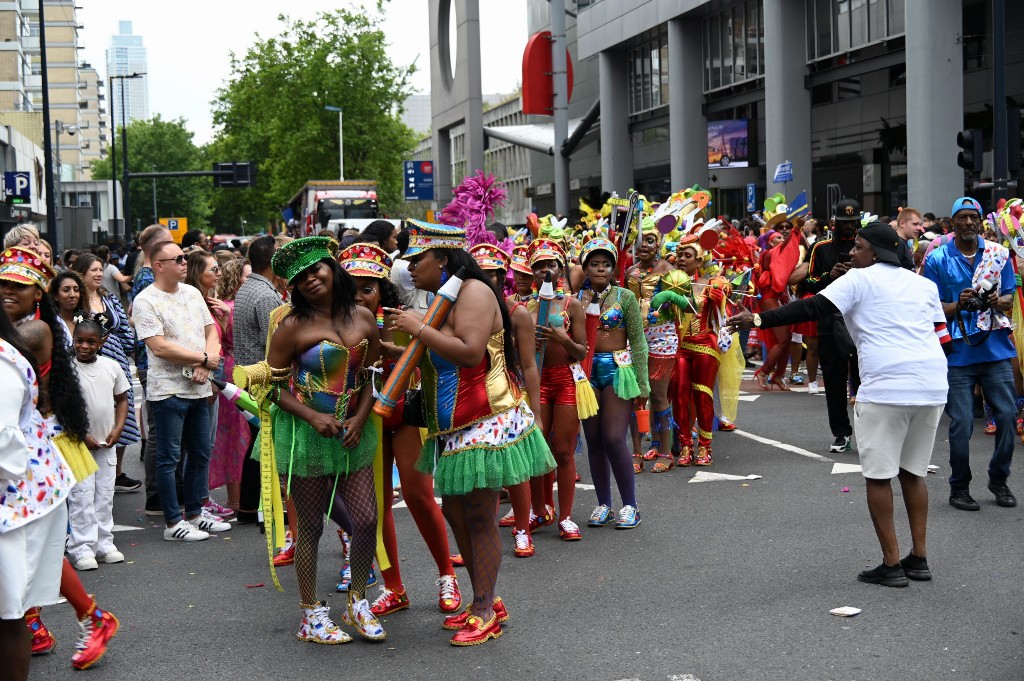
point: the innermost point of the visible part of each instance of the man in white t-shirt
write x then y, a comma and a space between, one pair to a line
178, 330
896, 321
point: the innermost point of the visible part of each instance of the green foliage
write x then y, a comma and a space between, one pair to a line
162, 146
271, 111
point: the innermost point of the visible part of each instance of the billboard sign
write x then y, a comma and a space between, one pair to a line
727, 144
419, 180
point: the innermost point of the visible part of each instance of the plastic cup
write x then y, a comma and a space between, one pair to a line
643, 420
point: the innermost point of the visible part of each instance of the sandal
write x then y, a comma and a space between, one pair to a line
638, 462
661, 466
781, 382
762, 380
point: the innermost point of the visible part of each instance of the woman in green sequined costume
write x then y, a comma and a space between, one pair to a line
322, 438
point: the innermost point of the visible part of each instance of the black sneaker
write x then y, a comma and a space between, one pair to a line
123, 483
1004, 497
963, 500
886, 575
841, 444
916, 568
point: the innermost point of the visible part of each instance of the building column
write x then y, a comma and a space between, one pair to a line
934, 64
787, 101
687, 137
616, 143
442, 157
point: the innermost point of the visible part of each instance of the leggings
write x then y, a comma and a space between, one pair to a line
402, 445
695, 373
607, 450
561, 424
473, 522
311, 497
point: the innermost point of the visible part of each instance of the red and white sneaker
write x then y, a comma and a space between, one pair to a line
524, 544
548, 518
569, 531
97, 628
286, 556
508, 520
449, 597
388, 602
43, 641
216, 509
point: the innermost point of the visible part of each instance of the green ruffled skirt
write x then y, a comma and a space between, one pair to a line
303, 452
486, 466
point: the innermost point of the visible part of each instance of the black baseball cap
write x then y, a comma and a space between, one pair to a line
884, 241
847, 209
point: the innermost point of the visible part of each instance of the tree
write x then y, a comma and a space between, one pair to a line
162, 146
271, 110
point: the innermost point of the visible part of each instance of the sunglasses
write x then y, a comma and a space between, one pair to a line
181, 259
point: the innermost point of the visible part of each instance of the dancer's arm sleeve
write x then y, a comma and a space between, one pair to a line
804, 310
637, 339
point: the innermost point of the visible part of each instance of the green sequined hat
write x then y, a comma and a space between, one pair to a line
296, 256
425, 235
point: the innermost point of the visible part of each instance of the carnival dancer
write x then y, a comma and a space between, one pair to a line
619, 378
566, 396
370, 266
495, 263
481, 435
318, 360
698, 356
644, 280
24, 280
779, 265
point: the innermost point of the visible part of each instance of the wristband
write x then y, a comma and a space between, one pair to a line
422, 326
206, 360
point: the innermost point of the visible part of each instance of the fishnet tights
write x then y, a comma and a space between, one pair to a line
311, 497
561, 425
475, 527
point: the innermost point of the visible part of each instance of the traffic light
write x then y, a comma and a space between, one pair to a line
243, 174
970, 156
1014, 139
323, 214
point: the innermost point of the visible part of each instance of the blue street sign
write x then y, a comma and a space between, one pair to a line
18, 186
418, 179
751, 197
783, 172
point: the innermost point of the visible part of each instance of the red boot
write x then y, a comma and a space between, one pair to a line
43, 641
98, 627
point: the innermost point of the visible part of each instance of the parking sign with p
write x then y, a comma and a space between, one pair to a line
17, 186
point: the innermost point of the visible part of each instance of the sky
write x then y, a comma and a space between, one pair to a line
189, 42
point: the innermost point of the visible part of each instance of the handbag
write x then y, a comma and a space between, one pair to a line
412, 412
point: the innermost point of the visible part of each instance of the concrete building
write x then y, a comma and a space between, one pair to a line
863, 97
94, 135
15, 68
126, 55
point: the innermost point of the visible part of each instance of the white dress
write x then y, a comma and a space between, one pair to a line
34, 487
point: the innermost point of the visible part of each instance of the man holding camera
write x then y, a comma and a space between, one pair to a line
976, 282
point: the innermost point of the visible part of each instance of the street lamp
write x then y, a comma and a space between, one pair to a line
341, 142
124, 156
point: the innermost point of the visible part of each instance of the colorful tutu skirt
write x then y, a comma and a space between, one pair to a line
305, 453
499, 451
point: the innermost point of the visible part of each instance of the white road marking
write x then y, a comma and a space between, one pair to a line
781, 445
708, 476
125, 528
747, 398
846, 468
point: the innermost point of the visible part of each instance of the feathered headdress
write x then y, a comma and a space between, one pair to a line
473, 204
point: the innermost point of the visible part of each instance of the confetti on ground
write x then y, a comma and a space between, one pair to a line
846, 489
254, 586
706, 476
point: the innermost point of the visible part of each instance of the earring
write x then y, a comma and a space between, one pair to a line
444, 276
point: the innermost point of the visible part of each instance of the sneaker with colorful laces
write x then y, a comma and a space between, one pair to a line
475, 631
569, 531
601, 516
316, 626
286, 556
97, 627
508, 520
43, 641
388, 602
456, 622
216, 509
629, 517
449, 597
524, 544
359, 615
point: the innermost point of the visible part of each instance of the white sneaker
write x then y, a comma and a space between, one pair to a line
185, 531
86, 563
316, 627
812, 388
112, 556
207, 522
362, 618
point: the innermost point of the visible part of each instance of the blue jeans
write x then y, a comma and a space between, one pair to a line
996, 381
180, 419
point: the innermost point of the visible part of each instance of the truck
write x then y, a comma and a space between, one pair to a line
335, 204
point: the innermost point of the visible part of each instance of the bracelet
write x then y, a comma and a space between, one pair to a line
206, 359
422, 326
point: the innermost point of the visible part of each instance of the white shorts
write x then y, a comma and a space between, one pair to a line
891, 437
31, 562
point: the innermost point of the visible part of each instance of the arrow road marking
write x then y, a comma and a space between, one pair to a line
846, 468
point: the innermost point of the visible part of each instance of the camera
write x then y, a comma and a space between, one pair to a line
978, 301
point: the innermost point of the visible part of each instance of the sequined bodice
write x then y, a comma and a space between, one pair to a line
327, 374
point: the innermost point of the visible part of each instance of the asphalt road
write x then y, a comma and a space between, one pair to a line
723, 580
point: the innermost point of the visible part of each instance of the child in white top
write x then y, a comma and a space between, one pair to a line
91, 503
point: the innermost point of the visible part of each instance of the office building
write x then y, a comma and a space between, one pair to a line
126, 56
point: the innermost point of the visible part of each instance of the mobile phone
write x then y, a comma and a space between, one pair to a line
187, 372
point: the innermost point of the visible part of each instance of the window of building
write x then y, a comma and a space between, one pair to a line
648, 75
734, 45
838, 26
